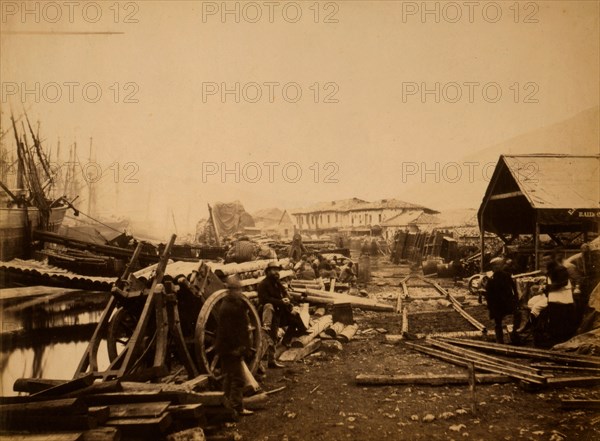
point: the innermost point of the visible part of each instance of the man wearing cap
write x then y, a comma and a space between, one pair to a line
501, 296
233, 343
276, 310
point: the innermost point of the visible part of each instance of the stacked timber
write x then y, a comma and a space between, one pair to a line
322, 297
109, 410
321, 328
583, 370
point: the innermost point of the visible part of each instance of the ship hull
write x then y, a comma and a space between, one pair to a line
16, 226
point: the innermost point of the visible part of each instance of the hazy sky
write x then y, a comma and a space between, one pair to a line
360, 68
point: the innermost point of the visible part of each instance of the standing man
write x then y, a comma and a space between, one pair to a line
502, 298
297, 249
277, 311
233, 343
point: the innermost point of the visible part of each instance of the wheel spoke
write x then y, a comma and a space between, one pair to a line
210, 349
214, 362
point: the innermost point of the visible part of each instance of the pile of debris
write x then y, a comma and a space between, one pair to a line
556, 369
110, 410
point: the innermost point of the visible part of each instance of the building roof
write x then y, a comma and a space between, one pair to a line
402, 219
355, 204
557, 181
458, 217
426, 219
556, 192
332, 206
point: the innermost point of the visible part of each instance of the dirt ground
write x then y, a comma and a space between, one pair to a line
322, 402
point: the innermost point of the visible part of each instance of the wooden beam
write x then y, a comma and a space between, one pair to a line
579, 404
295, 354
137, 410
430, 380
66, 436
68, 386
348, 333
477, 356
541, 354
318, 326
512, 194
489, 367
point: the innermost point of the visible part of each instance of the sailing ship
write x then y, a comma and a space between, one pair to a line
26, 188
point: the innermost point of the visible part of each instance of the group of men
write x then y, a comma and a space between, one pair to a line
551, 310
233, 336
313, 266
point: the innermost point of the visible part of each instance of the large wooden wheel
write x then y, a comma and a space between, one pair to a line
120, 329
205, 336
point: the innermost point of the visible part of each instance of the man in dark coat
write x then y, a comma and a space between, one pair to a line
277, 311
502, 298
233, 343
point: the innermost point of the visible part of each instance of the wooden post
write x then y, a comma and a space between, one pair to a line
471, 369
536, 244
212, 219
482, 239
405, 320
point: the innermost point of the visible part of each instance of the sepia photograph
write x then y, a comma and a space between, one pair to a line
304, 220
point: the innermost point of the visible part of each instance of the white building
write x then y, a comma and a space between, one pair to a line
351, 215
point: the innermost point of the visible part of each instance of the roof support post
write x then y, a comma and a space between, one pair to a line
536, 243
482, 233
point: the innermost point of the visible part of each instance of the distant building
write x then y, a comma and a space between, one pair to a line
352, 216
274, 222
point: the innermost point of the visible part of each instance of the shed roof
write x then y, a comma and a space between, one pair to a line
557, 181
559, 192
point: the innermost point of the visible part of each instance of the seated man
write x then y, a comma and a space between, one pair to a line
277, 311
306, 272
348, 275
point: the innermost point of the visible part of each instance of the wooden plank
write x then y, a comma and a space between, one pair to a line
68, 386
564, 368
142, 426
43, 300
574, 381
431, 380
579, 404
393, 338
295, 354
405, 320
305, 314
45, 423
32, 291
211, 399
69, 406
140, 397
335, 329
323, 297
540, 354
101, 413
33, 385
488, 367
199, 382
67, 436
96, 388
138, 410
319, 325
348, 333
477, 356
186, 411
102, 434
